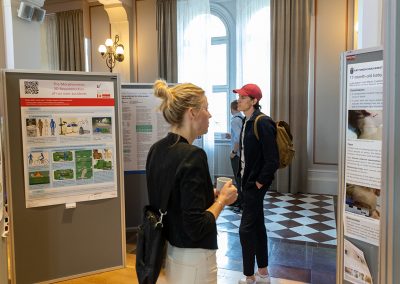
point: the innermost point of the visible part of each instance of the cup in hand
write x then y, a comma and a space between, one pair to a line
221, 182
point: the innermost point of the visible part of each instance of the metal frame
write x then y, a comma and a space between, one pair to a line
342, 157
8, 181
390, 247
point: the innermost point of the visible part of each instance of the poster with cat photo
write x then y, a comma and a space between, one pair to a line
364, 117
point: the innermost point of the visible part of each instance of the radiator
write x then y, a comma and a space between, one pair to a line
222, 161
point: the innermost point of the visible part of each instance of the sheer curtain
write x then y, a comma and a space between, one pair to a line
253, 46
194, 42
49, 43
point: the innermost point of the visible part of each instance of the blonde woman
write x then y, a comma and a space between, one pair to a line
173, 162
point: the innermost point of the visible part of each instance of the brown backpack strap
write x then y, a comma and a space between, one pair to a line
255, 125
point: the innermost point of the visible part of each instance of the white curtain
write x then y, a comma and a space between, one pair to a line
194, 42
49, 43
253, 46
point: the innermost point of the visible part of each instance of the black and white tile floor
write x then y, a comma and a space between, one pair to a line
299, 217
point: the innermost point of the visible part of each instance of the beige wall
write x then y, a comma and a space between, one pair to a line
329, 40
330, 27
100, 31
147, 65
144, 45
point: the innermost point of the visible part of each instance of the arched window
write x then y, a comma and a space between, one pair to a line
219, 54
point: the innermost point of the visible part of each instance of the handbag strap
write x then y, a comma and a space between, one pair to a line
164, 204
165, 198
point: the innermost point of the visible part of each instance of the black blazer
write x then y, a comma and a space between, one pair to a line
173, 163
261, 156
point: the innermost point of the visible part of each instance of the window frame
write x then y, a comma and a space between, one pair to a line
223, 14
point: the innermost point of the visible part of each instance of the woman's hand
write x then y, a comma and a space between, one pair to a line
228, 193
259, 185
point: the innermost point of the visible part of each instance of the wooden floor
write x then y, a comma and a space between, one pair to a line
293, 259
128, 276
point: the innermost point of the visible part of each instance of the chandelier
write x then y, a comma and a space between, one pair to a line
112, 51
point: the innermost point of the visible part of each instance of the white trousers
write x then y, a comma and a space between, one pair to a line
190, 266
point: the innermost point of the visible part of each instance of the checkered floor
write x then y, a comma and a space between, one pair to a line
301, 217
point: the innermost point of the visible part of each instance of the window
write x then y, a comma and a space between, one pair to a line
238, 52
219, 51
254, 41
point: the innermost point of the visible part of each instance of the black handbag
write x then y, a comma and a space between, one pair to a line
151, 243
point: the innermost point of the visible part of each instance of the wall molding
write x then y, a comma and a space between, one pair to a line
322, 181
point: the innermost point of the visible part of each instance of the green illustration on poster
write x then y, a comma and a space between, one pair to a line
84, 163
64, 156
63, 174
39, 177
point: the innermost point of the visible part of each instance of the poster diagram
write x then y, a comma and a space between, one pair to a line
355, 266
363, 150
143, 125
68, 132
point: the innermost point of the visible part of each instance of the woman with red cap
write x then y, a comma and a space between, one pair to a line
259, 160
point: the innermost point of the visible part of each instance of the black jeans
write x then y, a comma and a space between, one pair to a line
252, 232
235, 167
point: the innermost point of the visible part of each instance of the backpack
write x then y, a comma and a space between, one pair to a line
284, 140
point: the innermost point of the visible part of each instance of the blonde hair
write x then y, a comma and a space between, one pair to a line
177, 99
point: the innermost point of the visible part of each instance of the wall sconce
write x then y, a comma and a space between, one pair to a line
112, 52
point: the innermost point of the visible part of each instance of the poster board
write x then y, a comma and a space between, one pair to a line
360, 158
134, 98
143, 124
59, 241
68, 138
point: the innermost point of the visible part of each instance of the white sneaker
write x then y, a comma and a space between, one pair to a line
245, 280
261, 279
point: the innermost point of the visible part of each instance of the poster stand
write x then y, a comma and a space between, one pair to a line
360, 158
49, 243
143, 125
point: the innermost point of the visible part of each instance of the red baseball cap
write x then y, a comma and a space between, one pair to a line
250, 90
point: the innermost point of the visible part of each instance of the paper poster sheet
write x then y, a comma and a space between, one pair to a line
68, 131
363, 150
355, 267
143, 125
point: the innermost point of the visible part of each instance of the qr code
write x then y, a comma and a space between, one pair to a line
31, 87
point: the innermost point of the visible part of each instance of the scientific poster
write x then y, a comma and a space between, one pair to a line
363, 150
355, 266
143, 125
69, 143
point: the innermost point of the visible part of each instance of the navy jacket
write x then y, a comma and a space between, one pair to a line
172, 163
261, 156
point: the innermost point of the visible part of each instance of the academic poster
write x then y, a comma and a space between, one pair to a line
69, 142
143, 125
355, 266
363, 150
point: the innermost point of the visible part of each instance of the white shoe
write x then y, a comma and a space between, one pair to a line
246, 280
261, 279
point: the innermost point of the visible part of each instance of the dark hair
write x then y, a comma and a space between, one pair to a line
257, 105
234, 105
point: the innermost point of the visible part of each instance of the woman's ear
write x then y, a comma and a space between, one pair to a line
191, 113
